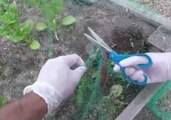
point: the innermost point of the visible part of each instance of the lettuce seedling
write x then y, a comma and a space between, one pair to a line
11, 28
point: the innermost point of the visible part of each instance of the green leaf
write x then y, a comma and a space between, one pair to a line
115, 91
68, 20
35, 45
6, 18
13, 7
41, 26
3, 100
15, 38
54, 24
12, 22
27, 28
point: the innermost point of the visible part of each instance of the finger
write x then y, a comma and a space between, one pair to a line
78, 73
129, 71
73, 60
141, 79
133, 61
116, 68
137, 75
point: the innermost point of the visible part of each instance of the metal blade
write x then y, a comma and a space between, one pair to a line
97, 42
98, 38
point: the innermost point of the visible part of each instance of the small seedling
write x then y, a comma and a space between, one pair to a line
115, 91
49, 11
11, 28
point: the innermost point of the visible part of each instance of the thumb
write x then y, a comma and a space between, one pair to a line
78, 73
116, 68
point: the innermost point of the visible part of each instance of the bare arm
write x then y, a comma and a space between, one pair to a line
30, 107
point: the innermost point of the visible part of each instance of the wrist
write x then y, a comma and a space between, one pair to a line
30, 107
33, 104
48, 93
169, 65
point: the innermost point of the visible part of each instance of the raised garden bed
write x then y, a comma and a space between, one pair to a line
19, 66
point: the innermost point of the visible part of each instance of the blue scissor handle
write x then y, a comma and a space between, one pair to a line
119, 57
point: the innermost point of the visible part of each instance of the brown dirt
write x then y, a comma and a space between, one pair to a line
162, 7
146, 114
19, 66
132, 39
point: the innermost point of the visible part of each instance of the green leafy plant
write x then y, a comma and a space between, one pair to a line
49, 11
11, 28
3, 101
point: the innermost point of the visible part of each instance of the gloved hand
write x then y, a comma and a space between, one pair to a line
159, 72
58, 79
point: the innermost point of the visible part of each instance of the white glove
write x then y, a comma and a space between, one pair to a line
159, 72
58, 79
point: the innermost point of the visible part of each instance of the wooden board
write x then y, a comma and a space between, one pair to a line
144, 13
161, 38
139, 102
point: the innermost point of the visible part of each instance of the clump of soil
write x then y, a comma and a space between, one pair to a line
128, 40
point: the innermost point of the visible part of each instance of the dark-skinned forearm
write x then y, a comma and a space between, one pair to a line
30, 107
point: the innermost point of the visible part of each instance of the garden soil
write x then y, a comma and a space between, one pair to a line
146, 114
19, 66
162, 7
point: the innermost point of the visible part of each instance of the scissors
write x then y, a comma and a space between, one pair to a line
116, 58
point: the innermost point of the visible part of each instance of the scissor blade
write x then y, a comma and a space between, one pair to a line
98, 38
97, 42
